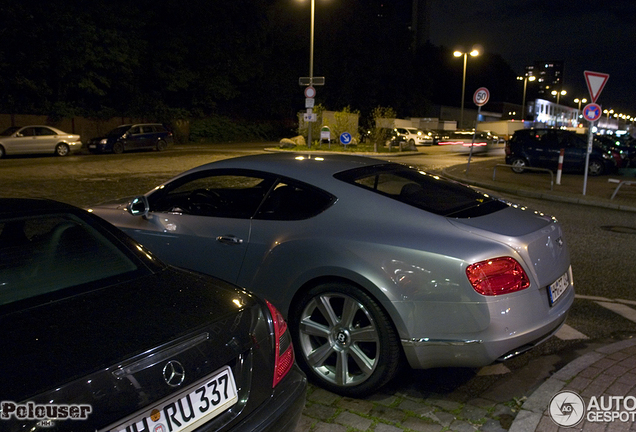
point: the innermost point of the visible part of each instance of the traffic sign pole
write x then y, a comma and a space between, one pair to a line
592, 112
480, 98
590, 142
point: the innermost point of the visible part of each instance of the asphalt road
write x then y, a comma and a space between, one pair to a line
601, 243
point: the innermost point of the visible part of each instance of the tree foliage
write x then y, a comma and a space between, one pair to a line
237, 59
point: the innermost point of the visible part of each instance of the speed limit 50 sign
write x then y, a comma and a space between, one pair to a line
481, 96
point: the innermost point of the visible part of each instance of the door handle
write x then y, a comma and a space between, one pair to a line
229, 240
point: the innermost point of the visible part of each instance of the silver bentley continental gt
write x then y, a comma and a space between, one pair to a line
371, 262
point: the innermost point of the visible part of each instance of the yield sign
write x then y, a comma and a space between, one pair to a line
595, 83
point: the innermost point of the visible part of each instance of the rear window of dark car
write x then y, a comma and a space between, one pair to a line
422, 190
47, 253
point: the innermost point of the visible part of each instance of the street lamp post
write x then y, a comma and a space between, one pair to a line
473, 53
311, 64
525, 79
607, 113
578, 112
558, 111
558, 94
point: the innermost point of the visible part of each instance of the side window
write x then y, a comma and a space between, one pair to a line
42, 131
292, 201
229, 195
146, 129
134, 130
545, 138
27, 132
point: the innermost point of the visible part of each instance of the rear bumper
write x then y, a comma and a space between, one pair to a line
502, 338
99, 147
283, 410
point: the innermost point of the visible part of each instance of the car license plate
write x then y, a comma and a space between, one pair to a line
92, 146
187, 411
558, 287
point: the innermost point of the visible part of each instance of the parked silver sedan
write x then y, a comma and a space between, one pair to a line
38, 139
370, 261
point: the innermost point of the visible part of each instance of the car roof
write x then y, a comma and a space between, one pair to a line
306, 167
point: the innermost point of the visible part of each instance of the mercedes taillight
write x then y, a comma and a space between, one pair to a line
284, 350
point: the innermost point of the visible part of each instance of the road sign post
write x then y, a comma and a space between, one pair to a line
480, 98
592, 112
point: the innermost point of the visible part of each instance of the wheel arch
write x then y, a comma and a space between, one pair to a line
358, 281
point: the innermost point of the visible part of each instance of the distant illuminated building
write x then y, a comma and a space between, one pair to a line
549, 77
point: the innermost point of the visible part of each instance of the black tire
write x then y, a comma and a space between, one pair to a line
161, 145
118, 147
344, 341
2, 152
596, 167
62, 149
518, 165
411, 142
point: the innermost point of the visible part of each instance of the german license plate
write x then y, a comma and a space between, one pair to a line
189, 410
92, 146
558, 287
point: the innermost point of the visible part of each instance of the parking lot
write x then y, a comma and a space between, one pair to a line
431, 400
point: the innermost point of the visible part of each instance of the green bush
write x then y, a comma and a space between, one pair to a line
225, 129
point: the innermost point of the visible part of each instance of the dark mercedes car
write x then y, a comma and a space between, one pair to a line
99, 335
153, 136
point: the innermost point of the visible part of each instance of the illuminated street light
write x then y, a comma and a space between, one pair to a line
473, 53
607, 113
525, 79
558, 94
578, 113
580, 101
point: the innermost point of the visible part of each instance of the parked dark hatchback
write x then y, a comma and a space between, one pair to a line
540, 148
98, 335
132, 137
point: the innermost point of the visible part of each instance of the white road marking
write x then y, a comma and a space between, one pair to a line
495, 369
568, 333
620, 309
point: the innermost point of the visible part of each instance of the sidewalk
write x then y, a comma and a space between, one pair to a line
606, 374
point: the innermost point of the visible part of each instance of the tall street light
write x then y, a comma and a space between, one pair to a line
578, 112
311, 62
525, 79
558, 94
607, 112
475, 52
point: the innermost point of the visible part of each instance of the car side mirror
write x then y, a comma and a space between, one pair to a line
139, 206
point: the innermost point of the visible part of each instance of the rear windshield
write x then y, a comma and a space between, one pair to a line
47, 253
10, 131
422, 190
118, 131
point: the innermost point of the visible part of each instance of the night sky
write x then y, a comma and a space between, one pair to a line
584, 34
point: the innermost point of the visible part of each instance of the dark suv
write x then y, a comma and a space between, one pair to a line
132, 137
540, 148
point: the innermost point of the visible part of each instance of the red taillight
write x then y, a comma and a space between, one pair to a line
284, 351
497, 276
